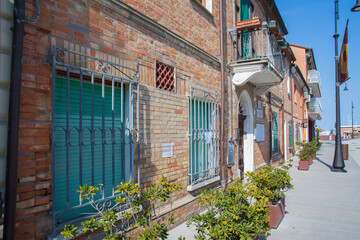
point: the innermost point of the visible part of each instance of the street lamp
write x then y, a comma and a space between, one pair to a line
352, 120
338, 163
356, 8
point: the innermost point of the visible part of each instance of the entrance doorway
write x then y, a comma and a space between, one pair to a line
246, 134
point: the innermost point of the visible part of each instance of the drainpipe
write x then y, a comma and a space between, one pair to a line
13, 130
268, 11
222, 132
292, 105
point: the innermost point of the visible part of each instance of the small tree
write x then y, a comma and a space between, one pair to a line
233, 213
305, 152
318, 143
140, 212
271, 182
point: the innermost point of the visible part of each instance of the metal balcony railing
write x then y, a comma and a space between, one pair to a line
315, 107
315, 82
258, 44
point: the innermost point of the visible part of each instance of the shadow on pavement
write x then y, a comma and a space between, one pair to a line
329, 166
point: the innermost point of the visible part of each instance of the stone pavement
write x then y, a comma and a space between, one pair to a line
322, 205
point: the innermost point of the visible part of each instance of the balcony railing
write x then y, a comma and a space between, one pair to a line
257, 44
314, 82
315, 109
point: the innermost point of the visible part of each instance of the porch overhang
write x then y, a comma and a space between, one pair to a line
261, 73
315, 116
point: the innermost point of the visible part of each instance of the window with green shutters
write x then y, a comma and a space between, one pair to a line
203, 136
291, 139
275, 133
92, 162
92, 131
245, 35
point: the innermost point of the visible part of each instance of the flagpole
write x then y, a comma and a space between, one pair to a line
338, 163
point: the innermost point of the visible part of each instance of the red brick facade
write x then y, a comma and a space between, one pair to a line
183, 35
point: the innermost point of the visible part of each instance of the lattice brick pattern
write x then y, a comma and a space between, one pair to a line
165, 77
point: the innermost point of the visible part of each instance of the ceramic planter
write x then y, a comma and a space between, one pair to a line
276, 213
311, 160
303, 165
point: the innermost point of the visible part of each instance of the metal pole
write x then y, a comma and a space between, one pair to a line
222, 117
338, 163
352, 120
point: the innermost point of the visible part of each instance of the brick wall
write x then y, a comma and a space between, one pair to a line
104, 29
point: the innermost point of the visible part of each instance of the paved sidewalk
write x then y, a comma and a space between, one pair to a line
322, 205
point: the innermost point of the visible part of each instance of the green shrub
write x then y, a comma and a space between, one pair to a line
233, 213
308, 149
270, 182
140, 213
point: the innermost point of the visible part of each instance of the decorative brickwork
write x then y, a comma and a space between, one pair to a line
165, 77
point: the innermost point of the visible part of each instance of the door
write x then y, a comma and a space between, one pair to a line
240, 142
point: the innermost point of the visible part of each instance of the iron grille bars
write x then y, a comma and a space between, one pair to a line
203, 133
92, 128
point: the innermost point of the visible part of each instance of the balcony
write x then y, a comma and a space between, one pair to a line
314, 83
315, 109
257, 56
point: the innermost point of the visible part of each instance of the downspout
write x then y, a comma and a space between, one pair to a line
270, 126
222, 132
268, 11
292, 106
13, 130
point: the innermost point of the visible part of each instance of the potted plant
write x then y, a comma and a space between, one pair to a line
304, 155
272, 183
237, 212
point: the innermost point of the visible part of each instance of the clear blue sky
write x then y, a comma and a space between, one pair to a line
312, 23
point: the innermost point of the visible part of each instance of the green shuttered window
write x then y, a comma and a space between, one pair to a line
291, 139
245, 35
203, 139
275, 133
85, 116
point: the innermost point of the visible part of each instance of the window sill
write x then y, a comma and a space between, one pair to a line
202, 7
192, 188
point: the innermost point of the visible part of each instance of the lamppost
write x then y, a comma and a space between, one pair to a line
352, 120
338, 163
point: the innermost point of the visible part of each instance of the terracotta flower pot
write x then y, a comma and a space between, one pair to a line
303, 165
276, 213
248, 24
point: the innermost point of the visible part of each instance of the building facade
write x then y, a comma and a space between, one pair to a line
196, 91
306, 63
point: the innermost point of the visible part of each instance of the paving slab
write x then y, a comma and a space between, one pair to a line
322, 205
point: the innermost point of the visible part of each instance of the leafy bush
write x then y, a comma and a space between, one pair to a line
139, 214
270, 182
308, 149
318, 143
233, 213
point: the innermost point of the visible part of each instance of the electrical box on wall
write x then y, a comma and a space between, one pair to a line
230, 153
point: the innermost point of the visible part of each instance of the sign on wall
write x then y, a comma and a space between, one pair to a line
260, 132
167, 150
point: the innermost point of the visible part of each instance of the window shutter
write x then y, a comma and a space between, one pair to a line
86, 151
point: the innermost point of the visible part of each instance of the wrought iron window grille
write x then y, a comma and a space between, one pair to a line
204, 136
93, 118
